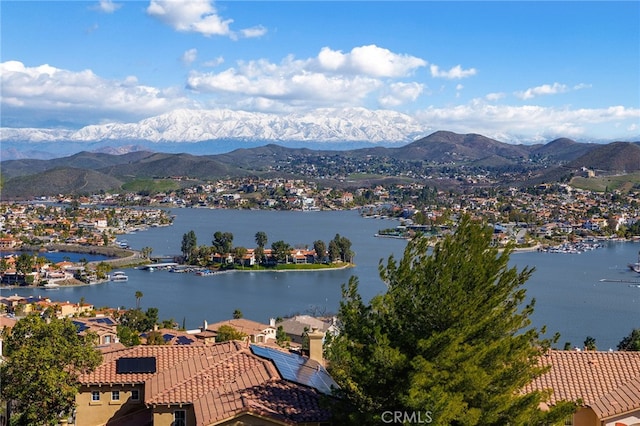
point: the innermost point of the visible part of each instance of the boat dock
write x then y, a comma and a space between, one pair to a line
153, 266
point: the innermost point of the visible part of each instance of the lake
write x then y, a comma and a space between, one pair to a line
570, 296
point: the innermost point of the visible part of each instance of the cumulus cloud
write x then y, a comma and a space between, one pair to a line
401, 93
214, 62
107, 6
189, 56
454, 73
198, 16
72, 96
545, 89
538, 123
257, 31
330, 78
370, 60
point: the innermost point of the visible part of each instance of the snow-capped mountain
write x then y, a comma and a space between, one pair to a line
323, 125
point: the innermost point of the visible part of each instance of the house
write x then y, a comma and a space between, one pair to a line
296, 327
256, 331
105, 328
227, 383
608, 383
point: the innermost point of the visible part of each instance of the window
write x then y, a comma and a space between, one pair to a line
115, 395
95, 396
135, 395
107, 340
180, 418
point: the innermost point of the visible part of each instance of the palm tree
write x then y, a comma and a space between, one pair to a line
138, 297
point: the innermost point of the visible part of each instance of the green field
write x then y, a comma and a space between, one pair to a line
151, 186
623, 183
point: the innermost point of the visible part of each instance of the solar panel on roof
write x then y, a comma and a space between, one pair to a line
184, 340
80, 326
298, 369
136, 365
167, 337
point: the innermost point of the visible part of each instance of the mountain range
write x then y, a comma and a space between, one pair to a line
443, 154
218, 131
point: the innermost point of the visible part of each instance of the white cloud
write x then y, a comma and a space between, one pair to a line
189, 56
401, 93
370, 60
454, 73
190, 16
495, 96
70, 96
524, 123
198, 16
214, 62
254, 32
545, 89
108, 6
332, 77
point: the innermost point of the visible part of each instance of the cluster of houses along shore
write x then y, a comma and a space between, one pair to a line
191, 379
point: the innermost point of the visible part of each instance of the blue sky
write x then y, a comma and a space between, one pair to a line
516, 70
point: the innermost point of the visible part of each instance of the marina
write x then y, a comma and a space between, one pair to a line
577, 296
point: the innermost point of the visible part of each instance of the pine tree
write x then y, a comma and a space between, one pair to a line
450, 339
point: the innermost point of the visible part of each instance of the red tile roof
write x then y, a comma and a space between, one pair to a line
608, 382
222, 381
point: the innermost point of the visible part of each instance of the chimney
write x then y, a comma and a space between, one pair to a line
316, 337
204, 326
272, 322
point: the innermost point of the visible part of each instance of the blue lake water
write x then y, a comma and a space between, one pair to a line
570, 297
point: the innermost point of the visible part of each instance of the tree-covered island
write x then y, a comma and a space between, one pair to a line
280, 255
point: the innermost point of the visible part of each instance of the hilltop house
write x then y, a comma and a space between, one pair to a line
608, 383
229, 383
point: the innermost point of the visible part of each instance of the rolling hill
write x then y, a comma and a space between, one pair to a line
441, 151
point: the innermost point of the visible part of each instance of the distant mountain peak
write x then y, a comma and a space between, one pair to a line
184, 125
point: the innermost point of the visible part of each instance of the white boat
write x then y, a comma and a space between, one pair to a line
118, 276
635, 267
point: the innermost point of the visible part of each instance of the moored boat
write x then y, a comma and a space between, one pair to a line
635, 267
118, 276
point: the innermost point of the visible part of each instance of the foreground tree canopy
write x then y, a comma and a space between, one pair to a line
450, 341
44, 359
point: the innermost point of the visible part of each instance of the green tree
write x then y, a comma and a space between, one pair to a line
146, 252
334, 251
282, 338
590, 344
40, 375
451, 336
261, 239
138, 295
189, 242
222, 242
226, 333
128, 336
25, 263
281, 251
155, 338
630, 342
102, 270
321, 250
239, 253
237, 314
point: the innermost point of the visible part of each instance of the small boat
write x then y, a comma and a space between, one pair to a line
635, 267
119, 276
204, 273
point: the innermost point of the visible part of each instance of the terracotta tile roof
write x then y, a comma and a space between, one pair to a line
608, 382
222, 381
241, 324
